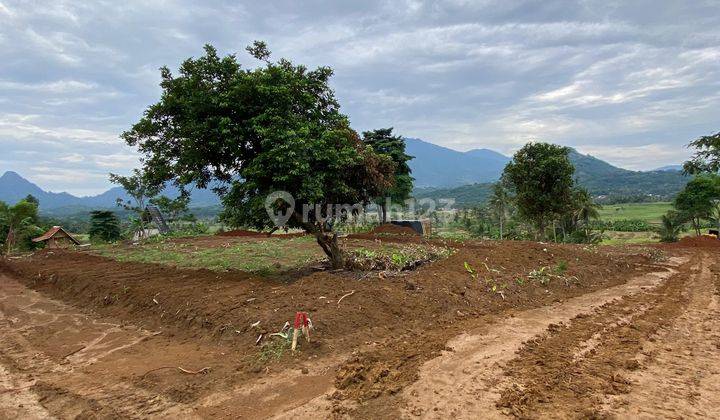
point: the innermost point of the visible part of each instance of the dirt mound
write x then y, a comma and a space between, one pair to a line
703, 241
390, 229
399, 319
240, 232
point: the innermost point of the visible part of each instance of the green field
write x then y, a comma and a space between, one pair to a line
649, 212
266, 256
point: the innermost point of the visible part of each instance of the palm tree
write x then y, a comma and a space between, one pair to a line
671, 226
585, 207
500, 202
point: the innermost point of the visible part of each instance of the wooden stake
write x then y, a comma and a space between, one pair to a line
306, 332
295, 336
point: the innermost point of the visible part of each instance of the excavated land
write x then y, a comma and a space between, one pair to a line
497, 329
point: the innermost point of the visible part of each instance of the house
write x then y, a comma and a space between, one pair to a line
57, 238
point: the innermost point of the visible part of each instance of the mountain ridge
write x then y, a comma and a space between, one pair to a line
434, 168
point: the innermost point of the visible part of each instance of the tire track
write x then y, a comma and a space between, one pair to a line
651, 355
38, 338
683, 374
466, 381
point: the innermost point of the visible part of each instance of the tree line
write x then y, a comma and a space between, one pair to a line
537, 198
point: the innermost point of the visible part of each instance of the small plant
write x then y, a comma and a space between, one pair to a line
657, 255
395, 259
276, 348
495, 289
470, 270
399, 259
562, 267
520, 281
542, 275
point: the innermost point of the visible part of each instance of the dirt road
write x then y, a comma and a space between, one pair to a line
654, 353
647, 348
56, 361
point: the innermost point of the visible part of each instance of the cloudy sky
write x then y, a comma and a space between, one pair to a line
630, 82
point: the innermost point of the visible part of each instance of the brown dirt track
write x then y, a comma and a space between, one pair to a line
433, 342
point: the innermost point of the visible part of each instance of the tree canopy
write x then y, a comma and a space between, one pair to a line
540, 175
699, 199
706, 157
385, 143
277, 127
18, 224
104, 226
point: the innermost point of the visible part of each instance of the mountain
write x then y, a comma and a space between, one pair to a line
437, 166
671, 168
439, 172
14, 188
599, 177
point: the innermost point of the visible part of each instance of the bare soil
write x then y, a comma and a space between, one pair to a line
390, 229
471, 336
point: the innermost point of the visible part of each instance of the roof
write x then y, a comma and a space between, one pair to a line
54, 231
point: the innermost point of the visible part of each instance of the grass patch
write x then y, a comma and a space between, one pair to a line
628, 238
275, 348
649, 212
267, 256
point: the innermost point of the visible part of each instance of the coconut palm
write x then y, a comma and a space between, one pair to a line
500, 202
585, 207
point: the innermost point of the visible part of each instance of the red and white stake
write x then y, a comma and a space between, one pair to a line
301, 322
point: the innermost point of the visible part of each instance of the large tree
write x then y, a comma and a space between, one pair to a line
540, 175
707, 155
259, 131
385, 143
699, 199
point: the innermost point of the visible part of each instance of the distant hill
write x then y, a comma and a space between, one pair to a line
438, 171
671, 168
436, 166
14, 188
599, 177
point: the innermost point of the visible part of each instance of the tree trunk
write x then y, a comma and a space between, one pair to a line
329, 244
10, 240
383, 208
501, 228
541, 227
328, 241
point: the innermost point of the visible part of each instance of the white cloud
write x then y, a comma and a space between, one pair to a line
29, 128
58, 86
599, 76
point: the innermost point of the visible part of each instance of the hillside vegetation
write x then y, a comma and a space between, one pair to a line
599, 177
